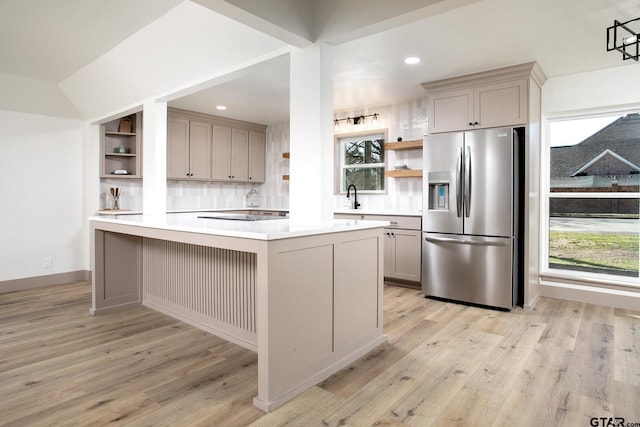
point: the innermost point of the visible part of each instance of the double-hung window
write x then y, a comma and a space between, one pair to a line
361, 161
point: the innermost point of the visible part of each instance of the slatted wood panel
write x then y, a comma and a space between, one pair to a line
212, 287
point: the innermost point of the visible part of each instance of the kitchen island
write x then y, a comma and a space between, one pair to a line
307, 299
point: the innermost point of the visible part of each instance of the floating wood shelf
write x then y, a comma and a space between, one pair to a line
285, 155
404, 173
415, 144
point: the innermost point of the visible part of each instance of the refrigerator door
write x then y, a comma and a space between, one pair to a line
488, 182
442, 195
468, 268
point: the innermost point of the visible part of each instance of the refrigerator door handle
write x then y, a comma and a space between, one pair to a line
467, 181
459, 182
465, 242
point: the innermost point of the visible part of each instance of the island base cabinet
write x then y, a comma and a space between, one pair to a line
304, 304
323, 311
117, 276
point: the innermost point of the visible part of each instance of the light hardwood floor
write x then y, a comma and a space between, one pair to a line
444, 364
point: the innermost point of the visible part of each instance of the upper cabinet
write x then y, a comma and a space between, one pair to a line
257, 152
231, 154
188, 149
483, 100
121, 147
211, 148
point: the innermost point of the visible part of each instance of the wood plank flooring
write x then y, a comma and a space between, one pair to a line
444, 364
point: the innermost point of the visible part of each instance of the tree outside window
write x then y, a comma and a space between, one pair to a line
362, 162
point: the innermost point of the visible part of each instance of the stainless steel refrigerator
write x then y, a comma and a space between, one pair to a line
471, 216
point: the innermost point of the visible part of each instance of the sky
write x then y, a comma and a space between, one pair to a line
571, 132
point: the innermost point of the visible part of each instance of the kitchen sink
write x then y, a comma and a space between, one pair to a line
242, 217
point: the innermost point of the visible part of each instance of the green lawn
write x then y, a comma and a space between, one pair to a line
610, 253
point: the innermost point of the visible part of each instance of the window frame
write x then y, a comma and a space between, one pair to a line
574, 276
339, 159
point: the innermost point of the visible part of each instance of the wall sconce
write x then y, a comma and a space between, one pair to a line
623, 39
357, 121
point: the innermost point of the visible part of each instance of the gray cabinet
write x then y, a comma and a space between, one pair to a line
121, 147
482, 106
257, 154
210, 148
402, 254
188, 149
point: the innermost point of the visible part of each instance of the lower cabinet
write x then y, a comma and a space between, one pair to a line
402, 246
402, 254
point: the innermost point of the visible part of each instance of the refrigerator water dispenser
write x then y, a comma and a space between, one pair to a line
439, 191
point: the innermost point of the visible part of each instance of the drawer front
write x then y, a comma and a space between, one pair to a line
406, 222
395, 221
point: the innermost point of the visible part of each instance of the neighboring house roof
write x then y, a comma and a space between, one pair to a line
619, 141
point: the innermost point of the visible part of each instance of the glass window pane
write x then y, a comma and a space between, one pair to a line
354, 153
365, 179
594, 235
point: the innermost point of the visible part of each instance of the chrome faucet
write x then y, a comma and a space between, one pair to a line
355, 195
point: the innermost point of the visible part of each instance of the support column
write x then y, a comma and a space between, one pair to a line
154, 158
311, 135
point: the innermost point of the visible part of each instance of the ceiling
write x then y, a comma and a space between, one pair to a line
50, 41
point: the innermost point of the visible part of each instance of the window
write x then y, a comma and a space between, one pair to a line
593, 198
361, 160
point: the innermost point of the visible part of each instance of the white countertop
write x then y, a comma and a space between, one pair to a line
259, 230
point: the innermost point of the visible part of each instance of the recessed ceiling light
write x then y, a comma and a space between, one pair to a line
221, 107
411, 60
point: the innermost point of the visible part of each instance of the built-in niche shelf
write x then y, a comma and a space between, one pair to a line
121, 147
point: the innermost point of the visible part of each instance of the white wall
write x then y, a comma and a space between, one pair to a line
34, 96
42, 208
593, 91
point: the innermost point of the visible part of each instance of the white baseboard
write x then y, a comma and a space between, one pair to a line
40, 281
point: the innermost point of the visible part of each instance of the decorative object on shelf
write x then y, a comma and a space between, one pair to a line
115, 195
401, 167
625, 40
120, 172
399, 139
125, 125
358, 121
122, 149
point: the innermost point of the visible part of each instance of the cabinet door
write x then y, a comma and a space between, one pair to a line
177, 148
221, 153
501, 104
199, 150
408, 255
451, 111
239, 155
257, 152
389, 253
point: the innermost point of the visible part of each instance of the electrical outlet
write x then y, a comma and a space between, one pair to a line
47, 262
